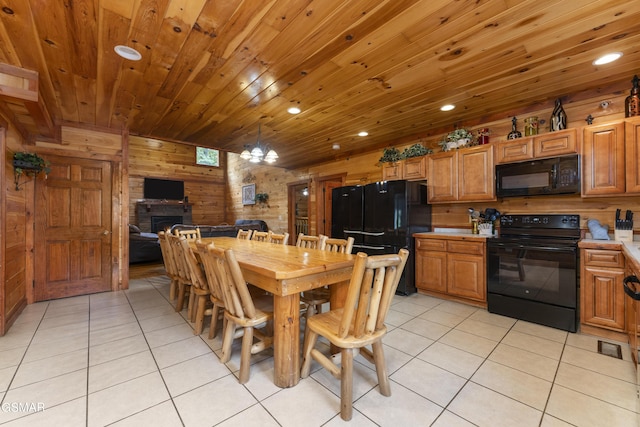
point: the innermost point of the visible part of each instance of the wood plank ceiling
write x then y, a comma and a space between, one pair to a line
212, 71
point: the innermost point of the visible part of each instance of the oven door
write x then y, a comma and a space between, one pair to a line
533, 270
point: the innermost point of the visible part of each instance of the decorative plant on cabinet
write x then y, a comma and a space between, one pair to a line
29, 164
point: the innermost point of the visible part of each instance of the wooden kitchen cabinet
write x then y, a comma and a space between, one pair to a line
392, 171
632, 155
603, 160
415, 168
542, 146
464, 175
452, 267
602, 293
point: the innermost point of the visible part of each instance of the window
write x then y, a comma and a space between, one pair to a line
207, 156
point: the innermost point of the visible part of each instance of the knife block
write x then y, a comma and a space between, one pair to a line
623, 235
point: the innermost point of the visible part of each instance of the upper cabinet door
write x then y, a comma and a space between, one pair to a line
632, 154
603, 160
514, 150
442, 185
476, 177
556, 143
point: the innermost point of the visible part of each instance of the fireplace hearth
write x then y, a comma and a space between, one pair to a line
160, 223
154, 216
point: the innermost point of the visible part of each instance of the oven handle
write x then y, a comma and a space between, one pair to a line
571, 249
629, 288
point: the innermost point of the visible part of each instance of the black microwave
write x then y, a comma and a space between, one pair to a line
557, 175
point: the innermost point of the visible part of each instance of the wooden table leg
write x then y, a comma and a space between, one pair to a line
286, 342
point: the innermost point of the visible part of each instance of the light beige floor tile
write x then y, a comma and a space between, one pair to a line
410, 308
123, 400
32, 313
161, 322
482, 329
542, 346
598, 385
68, 414
420, 299
485, 407
442, 317
584, 411
107, 299
616, 368
114, 333
109, 321
155, 311
60, 307
451, 359
261, 383
402, 408
549, 421
37, 351
429, 381
116, 349
231, 398
449, 419
585, 342
315, 405
180, 351
161, 415
396, 318
42, 369
44, 336
51, 392
394, 358
406, 341
6, 375
525, 388
525, 361
120, 370
457, 308
254, 416
11, 357
426, 328
66, 320
493, 319
468, 342
112, 311
541, 331
193, 373
168, 335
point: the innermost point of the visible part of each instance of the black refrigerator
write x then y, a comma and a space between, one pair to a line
382, 217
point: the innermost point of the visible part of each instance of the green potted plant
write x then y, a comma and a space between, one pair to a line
458, 138
29, 164
262, 197
416, 150
390, 155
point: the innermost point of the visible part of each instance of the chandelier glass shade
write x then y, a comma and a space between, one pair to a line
256, 154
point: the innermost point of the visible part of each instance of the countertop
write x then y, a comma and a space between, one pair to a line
461, 233
631, 250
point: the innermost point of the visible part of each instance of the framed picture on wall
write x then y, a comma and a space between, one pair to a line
249, 194
207, 156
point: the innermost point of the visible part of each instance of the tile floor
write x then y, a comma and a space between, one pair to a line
128, 359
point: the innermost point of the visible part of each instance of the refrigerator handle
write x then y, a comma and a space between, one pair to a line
372, 234
378, 248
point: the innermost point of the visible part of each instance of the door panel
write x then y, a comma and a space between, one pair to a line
73, 227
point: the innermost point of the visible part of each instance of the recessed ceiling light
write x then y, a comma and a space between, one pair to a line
293, 110
609, 57
363, 133
128, 52
447, 107
336, 146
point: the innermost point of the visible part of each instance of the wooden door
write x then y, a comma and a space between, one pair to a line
466, 276
73, 229
632, 155
603, 160
603, 298
326, 187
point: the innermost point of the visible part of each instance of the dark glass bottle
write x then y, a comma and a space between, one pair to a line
558, 117
514, 132
632, 103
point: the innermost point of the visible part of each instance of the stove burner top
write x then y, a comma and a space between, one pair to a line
556, 226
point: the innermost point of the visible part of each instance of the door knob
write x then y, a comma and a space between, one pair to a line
105, 233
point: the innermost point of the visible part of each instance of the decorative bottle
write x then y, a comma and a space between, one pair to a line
530, 126
632, 103
558, 117
514, 132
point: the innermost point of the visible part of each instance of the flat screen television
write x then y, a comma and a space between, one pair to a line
163, 189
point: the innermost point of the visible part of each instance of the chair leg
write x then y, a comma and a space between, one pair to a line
202, 302
381, 368
213, 328
346, 384
245, 355
181, 293
310, 338
173, 290
191, 311
227, 340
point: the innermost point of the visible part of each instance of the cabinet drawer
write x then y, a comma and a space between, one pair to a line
431, 245
602, 258
555, 144
462, 247
513, 151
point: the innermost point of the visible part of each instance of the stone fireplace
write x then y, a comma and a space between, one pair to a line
154, 216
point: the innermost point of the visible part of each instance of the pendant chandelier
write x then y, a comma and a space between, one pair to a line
257, 153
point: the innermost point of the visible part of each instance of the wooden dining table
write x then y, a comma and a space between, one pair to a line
285, 271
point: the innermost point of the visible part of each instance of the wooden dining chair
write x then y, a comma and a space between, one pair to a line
169, 264
309, 242
359, 323
183, 275
244, 234
314, 299
280, 239
192, 234
261, 236
199, 297
243, 313
215, 288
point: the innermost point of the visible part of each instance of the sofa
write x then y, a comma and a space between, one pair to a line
224, 229
143, 247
